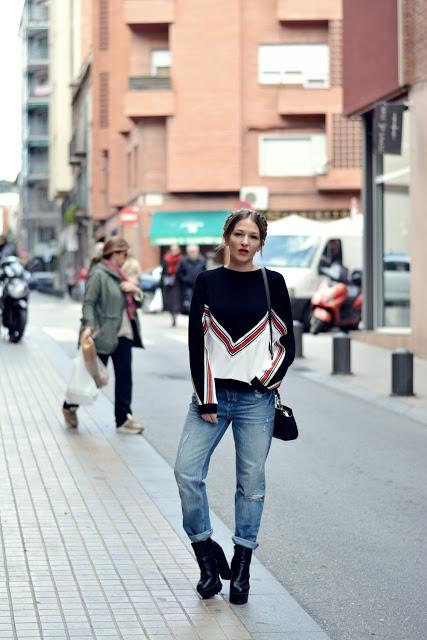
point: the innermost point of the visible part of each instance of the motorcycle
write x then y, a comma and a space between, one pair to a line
14, 293
337, 303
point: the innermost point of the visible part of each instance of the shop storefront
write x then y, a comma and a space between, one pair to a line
390, 242
203, 228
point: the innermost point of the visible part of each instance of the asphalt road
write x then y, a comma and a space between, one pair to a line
345, 519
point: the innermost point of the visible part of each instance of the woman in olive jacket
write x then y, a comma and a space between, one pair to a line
109, 314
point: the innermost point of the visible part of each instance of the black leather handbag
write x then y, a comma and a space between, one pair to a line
285, 426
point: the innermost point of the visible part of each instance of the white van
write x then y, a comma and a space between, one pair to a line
294, 247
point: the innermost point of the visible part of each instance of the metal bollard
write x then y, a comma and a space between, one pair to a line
341, 354
402, 373
298, 331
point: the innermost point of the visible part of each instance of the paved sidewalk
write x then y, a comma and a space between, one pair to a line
92, 546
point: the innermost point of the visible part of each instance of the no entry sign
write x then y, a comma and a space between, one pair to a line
128, 216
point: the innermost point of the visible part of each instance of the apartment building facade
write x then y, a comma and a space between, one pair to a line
40, 219
385, 82
198, 106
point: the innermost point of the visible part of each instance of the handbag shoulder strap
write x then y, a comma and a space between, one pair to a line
267, 295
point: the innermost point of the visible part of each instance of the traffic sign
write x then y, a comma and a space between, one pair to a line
128, 216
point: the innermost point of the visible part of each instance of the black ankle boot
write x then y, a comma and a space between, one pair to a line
239, 585
212, 563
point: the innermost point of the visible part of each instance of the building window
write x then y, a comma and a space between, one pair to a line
160, 63
304, 64
46, 234
394, 212
296, 155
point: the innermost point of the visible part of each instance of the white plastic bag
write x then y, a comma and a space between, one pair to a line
81, 388
156, 303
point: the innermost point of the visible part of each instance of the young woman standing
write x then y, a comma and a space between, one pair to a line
234, 378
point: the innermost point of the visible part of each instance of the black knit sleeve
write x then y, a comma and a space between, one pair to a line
201, 374
283, 336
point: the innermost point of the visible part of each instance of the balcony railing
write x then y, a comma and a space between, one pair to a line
296, 100
309, 10
38, 54
38, 170
149, 83
35, 103
149, 96
38, 13
140, 12
38, 132
39, 90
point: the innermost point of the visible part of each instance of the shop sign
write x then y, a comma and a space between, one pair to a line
128, 216
388, 128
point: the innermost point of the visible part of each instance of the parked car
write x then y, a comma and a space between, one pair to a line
397, 278
150, 280
42, 280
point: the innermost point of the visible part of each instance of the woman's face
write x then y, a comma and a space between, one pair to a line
119, 258
243, 242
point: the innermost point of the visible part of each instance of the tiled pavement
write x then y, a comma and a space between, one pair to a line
87, 551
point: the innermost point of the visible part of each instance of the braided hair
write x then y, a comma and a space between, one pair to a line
245, 214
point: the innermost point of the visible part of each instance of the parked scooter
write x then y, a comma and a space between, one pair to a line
337, 303
14, 293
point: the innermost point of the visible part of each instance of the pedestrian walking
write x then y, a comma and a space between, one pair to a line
170, 285
70, 279
109, 313
234, 377
189, 268
7, 248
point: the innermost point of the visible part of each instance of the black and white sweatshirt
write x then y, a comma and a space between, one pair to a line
229, 333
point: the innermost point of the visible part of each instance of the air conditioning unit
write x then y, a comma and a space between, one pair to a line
256, 197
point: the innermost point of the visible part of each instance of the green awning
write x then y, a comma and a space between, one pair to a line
186, 227
38, 143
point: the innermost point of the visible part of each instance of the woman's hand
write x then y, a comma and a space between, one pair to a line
129, 287
210, 417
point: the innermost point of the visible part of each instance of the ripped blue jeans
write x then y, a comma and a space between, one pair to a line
252, 416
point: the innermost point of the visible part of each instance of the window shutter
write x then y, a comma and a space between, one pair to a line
104, 100
104, 32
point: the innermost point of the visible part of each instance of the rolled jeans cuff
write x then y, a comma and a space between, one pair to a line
200, 537
245, 543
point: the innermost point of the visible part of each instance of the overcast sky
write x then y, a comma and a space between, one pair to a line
10, 100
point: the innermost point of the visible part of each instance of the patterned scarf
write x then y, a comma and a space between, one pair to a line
130, 305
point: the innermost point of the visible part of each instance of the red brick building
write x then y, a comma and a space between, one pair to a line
195, 104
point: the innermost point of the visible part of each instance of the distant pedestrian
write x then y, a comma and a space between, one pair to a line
109, 313
70, 279
7, 248
189, 268
170, 285
234, 377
